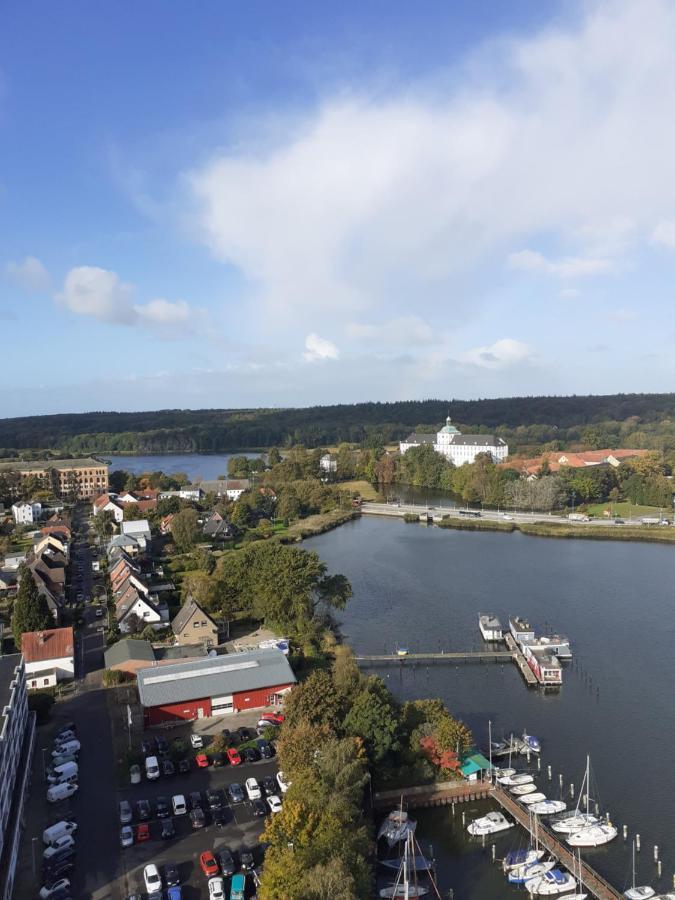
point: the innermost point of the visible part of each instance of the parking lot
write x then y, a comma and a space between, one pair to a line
241, 829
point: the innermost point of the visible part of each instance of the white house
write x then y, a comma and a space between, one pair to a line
139, 529
26, 513
106, 504
232, 488
457, 447
127, 497
189, 492
144, 609
328, 463
13, 561
49, 656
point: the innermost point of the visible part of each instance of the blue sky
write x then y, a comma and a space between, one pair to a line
285, 204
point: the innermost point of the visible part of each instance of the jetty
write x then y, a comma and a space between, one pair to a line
512, 654
450, 792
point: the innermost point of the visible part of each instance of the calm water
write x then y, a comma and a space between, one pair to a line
424, 587
196, 465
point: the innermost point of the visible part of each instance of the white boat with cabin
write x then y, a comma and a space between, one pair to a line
490, 627
548, 807
520, 789
529, 799
574, 822
526, 873
512, 780
551, 883
492, 823
521, 629
593, 835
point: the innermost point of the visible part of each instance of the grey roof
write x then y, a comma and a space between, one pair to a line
221, 486
180, 651
182, 617
123, 540
125, 650
481, 440
415, 438
213, 677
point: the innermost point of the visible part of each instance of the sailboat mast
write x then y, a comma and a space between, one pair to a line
588, 779
490, 745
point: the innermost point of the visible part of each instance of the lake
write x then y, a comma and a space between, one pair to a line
200, 466
424, 587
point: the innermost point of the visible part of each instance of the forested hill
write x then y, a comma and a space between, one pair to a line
536, 419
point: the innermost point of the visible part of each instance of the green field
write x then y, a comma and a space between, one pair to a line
626, 510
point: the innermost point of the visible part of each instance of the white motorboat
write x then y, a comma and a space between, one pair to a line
575, 822
518, 858
490, 628
521, 789
513, 780
396, 827
551, 883
523, 874
548, 807
593, 835
640, 892
492, 823
504, 773
404, 891
529, 799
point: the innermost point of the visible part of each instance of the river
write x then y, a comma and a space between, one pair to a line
424, 587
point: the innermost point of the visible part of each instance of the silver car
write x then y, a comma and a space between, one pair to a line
125, 812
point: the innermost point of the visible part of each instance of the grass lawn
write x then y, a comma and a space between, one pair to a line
625, 510
364, 488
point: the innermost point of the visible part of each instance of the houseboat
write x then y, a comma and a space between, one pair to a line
491, 628
520, 629
544, 664
556, 644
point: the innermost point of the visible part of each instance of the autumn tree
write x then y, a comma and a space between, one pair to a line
30, 611
184, 529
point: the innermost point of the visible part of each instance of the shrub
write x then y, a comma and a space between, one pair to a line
41, 702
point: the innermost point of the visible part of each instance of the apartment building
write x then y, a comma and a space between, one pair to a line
17, 736
81, 479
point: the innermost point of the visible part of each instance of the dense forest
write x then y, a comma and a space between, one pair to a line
643, 420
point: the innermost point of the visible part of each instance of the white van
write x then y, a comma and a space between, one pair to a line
179, 805
65, 772
151, 768
60, 843
60, 792
49, 835
68, 747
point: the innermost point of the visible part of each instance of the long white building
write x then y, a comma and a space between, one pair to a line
457, 447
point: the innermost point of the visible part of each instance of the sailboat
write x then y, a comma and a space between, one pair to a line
529, 799
406, 886
577, 872
548, 807
575, 821
638, 893
551, 883
518, 858
594, 835
526, 873
396, 827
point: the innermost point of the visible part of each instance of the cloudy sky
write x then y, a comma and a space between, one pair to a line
222, 204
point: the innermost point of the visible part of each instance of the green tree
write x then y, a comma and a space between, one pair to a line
313, 702
131, 512
373, 717
205, 560
184, 529
238, 467
104, 524
288, 505
30, 611
274, 457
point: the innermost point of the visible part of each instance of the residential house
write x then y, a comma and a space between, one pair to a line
58, 526
123, 544
127, 497
232, 488
328, 463
49, 656
7, 580
143, 608
104, 504
554, 461
193, 624
26, 513
189, 492
216, 527
13, 561
139, 529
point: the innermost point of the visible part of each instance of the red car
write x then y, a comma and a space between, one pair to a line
233, 756
202, 760
208, 863
274, 718
142, 832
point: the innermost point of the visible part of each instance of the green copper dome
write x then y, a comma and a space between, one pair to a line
449, 428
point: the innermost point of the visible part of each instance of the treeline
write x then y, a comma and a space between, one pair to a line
614, 420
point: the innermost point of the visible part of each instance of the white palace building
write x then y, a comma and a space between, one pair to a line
458, 448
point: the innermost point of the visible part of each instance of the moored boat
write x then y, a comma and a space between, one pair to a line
404, 891
518, 858
512, 780
548, 807
396, 827
492, 823
575, 821
639, 893
522, 874
593, 836
532, 743
529, 799
551, 883
521, 789
490, 628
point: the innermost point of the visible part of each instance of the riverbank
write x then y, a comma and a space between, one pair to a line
317, 524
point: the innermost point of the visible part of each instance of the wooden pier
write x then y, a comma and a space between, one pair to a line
513, 655
594, 882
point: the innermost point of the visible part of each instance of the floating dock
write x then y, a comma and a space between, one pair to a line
512, 654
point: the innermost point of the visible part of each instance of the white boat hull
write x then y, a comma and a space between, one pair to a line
400, 890
574, 823
491, 824
525, 858
548, 807
529, 799
639, 893
520, 789
594, 836
547, 887
523, 874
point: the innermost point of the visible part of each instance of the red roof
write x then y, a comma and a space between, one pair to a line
54, 643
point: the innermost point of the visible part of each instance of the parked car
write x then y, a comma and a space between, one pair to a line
252, 789
64, 842
54, 869
126, 836
244, 734
171, 876
147, 747
52, 855
125, 812
202, 761
48, 891
236, 793
162, 745
227, 735
196, 741
57, 829
142, 832
196, 801
67, 726
59, 792
246, 859
283, 784
143, 810
216, 889
265, 749
174, 892
250, 755
162, 807
268, 785
152, 878
215, 798
274, 803
197, 818
233, 757
227, 864
220, 817
183, 765
218, 760
208, 864
168, 829
152, 768
276, 718
179, 805
259, 809
64, 736
168, 768
135, 774
65, 747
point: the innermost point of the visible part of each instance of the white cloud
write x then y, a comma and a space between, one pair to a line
664, 233
569, 267
566, 135
317, 349
29, 274
502, 354
99, 293
405, 330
